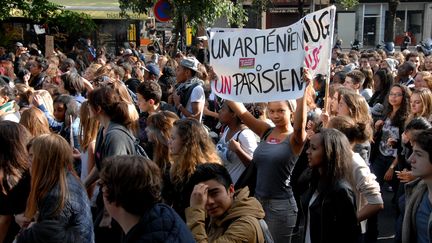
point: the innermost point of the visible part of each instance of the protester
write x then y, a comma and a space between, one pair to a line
414, 58
404, 173
354, 80
189, 97
421, 104
234, 216
37, 68
329, 204
367, 88
383, 82
421, 80
23, 94
35, 121
405, 74
417, 224
159, 132
73, 85
428, 63
134, 202
189, 146
88, 129
57, 209
9, 110
113, 138
275, 158
355, 106
236, 145
149, 96
389, 131
368, 197
14, 177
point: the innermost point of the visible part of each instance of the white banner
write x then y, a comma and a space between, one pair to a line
267, 65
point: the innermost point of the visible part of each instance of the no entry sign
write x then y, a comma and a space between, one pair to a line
162, 10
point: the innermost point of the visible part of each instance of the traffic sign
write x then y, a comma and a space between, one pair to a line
167, 26
162, 10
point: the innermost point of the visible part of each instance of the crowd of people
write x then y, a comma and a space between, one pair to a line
138, 148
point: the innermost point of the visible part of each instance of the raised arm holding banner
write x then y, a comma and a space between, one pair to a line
267, 65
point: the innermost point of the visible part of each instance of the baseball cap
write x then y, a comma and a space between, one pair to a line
127, 52
153, 69
190, 62
19, 44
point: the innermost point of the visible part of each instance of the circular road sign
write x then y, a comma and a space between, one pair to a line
162, 10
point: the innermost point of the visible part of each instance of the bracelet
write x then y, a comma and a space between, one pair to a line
392, 167
179, 106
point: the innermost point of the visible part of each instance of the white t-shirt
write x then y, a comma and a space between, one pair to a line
231, 161
197, 95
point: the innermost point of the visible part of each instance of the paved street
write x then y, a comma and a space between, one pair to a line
386, 220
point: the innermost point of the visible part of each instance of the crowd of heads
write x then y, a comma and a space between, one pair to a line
52, 106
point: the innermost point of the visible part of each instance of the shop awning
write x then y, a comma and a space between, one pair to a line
98, 9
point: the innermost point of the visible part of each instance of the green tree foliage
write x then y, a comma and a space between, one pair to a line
194, 12
46, 12
35, 10
74, 22
348, 3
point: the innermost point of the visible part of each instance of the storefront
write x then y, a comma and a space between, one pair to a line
370, 21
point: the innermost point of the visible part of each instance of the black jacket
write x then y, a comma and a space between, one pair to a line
72, 224
159, 224
333, 214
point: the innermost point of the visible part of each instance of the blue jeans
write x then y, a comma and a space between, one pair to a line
281, 217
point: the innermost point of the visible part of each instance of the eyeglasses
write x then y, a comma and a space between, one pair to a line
396, 94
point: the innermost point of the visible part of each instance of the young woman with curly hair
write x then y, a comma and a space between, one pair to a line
189, 145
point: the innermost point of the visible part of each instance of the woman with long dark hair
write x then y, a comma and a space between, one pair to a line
329, 204
14, 176
389, 130
382, 82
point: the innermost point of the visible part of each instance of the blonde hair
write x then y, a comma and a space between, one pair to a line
47, 99
198, 148
23, 92
35, 121
89, 126
425, 95
43, 180
90, 72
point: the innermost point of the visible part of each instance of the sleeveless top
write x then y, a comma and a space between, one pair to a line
274, 163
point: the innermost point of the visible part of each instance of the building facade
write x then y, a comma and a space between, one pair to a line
367, 22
